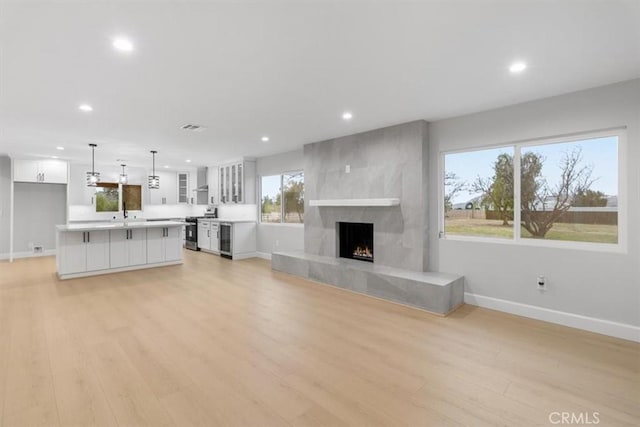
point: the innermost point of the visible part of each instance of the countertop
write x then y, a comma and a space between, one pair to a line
93, 226
233, 221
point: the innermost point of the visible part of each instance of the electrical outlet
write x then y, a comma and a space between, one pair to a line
542, 283
347, 169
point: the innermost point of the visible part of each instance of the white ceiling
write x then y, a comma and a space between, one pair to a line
286, 69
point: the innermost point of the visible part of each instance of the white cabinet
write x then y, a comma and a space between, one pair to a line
26, 171
128, 247
183, 187
79, 193
215, 236
164, 244
208, 235
44, 171
213, 182
84, 251
167, 194
244, 240
174, 189
237, 239
204, 228
237, 182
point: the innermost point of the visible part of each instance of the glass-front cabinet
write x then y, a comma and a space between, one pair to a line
183, 187
233, 182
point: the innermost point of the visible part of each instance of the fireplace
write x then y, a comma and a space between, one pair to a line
355, 241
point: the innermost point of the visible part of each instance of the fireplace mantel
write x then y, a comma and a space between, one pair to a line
355, 202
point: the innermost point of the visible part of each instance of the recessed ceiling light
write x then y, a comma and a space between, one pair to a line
265, 139
60, 148
54, 157
347, 115
122, 44
166, 166
86, 108
517, 67
188, 161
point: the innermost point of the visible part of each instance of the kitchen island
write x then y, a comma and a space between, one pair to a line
87, 249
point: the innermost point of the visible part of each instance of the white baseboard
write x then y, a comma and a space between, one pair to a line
47, 252
263, 255
245, 255
592, 324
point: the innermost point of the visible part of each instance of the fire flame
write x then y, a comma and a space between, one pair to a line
363, 252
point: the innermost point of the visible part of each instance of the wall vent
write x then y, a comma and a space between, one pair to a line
194, 128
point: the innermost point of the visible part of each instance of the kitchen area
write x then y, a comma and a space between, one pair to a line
110, 218
229, 238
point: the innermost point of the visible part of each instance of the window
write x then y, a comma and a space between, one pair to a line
478, 193
271, 199
107, 197
282, 198
569, 191
566, 190
132, 197
293, 190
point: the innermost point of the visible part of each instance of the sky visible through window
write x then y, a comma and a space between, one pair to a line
271, 186
601, 153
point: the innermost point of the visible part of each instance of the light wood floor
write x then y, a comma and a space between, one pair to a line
215, 342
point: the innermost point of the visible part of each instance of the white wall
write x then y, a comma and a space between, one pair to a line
38, 208
584, 283
5, 205
279, 237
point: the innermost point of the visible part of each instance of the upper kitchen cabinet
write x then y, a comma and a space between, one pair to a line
43, 171
79, 192
183, 187
167, 194
237, 182
213, 183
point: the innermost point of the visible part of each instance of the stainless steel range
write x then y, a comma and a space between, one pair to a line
191, 233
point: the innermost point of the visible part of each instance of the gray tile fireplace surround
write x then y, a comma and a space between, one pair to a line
438, 293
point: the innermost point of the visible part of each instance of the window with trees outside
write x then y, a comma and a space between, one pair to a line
564, 190
107, 197
282, 198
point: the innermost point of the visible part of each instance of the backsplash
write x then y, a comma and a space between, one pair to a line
242, 211
88, 213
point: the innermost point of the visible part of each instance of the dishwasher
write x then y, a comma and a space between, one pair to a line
226, 240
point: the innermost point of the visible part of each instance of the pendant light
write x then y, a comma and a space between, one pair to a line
93, 177
123, 176
154, 180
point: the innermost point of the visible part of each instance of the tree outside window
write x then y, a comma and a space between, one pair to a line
568, 191
282, 198
271, 203
107, 197
293, 197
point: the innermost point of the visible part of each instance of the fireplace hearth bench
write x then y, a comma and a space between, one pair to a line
438, 293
